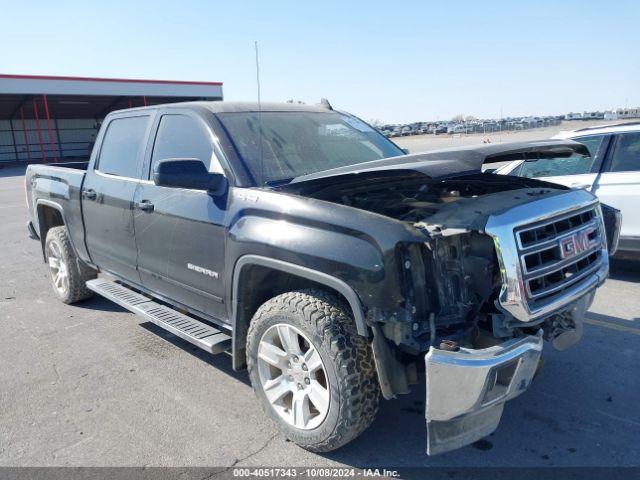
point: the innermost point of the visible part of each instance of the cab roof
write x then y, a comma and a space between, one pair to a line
600, 129
243, 107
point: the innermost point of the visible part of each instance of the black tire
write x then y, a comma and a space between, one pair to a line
347, 358
78, 273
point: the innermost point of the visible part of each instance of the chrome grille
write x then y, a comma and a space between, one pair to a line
559, 253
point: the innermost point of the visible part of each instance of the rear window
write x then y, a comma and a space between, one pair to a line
120, 151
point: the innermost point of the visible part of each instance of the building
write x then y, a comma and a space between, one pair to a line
593, 116
53, 119
628, 112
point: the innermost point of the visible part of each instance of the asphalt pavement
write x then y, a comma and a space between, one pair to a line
94, 385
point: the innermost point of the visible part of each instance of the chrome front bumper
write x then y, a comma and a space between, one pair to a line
467, 389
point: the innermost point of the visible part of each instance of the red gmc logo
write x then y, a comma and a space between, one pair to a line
577, 243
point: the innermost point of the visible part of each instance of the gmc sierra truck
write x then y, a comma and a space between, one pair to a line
332, 265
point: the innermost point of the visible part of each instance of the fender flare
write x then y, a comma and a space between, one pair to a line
55, 206
328, 280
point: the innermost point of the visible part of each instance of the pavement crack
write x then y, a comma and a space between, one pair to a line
265, 445
238, 460
55, 369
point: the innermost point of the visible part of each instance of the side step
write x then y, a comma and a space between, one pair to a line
199, 333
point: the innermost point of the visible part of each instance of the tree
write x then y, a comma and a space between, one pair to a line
458, 118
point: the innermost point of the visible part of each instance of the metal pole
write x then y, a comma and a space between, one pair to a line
49, 129
24, 131
35, 113
13, 138
55, 122
144, 100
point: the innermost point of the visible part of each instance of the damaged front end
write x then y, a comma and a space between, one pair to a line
552, 255
499, 264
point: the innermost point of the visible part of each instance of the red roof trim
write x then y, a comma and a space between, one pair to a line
98, 79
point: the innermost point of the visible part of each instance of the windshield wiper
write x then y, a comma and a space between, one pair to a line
278, 183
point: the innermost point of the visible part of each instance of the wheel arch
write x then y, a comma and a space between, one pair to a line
249, 274
50, 214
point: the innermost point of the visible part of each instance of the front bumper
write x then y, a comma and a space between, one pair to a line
467, 389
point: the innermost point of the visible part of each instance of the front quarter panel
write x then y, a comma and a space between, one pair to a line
354, 246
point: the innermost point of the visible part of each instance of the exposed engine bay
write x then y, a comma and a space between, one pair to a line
408, 195
453, 277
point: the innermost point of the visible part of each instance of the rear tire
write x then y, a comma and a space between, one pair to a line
338, 389
67, 272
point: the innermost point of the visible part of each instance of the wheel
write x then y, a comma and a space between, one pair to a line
68, 274
311, 371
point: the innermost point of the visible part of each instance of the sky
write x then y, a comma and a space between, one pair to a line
389, 61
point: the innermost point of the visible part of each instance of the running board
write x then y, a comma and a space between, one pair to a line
199, 333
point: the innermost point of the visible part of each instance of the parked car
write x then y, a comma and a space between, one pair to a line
611, 171
327, 262
457, 129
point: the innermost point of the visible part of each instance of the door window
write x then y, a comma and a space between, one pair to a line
120, 151
592, 142
560, 166
626, 156
181, 136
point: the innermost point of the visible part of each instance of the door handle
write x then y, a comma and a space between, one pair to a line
89, 194
144, 205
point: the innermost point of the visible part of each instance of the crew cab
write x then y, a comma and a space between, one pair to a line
331, 265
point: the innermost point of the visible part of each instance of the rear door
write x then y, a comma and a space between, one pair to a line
181, 239
619, 185
107, 195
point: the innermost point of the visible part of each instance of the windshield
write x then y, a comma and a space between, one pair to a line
300, 143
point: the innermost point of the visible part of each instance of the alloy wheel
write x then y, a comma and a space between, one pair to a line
58, 268
293, 377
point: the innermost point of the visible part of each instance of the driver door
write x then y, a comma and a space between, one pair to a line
180, 232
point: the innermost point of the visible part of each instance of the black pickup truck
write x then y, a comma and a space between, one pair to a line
332, 265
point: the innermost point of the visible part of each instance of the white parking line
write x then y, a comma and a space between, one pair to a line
612, 326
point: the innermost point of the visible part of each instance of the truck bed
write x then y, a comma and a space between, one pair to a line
56, 190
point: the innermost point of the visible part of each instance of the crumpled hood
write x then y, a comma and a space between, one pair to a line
452, 161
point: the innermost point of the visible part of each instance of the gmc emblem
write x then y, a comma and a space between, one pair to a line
577, 243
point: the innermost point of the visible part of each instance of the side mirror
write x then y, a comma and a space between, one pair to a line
188, 173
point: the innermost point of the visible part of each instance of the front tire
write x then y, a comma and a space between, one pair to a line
67, 272
311, 371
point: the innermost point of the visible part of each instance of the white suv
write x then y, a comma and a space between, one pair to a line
612, 172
